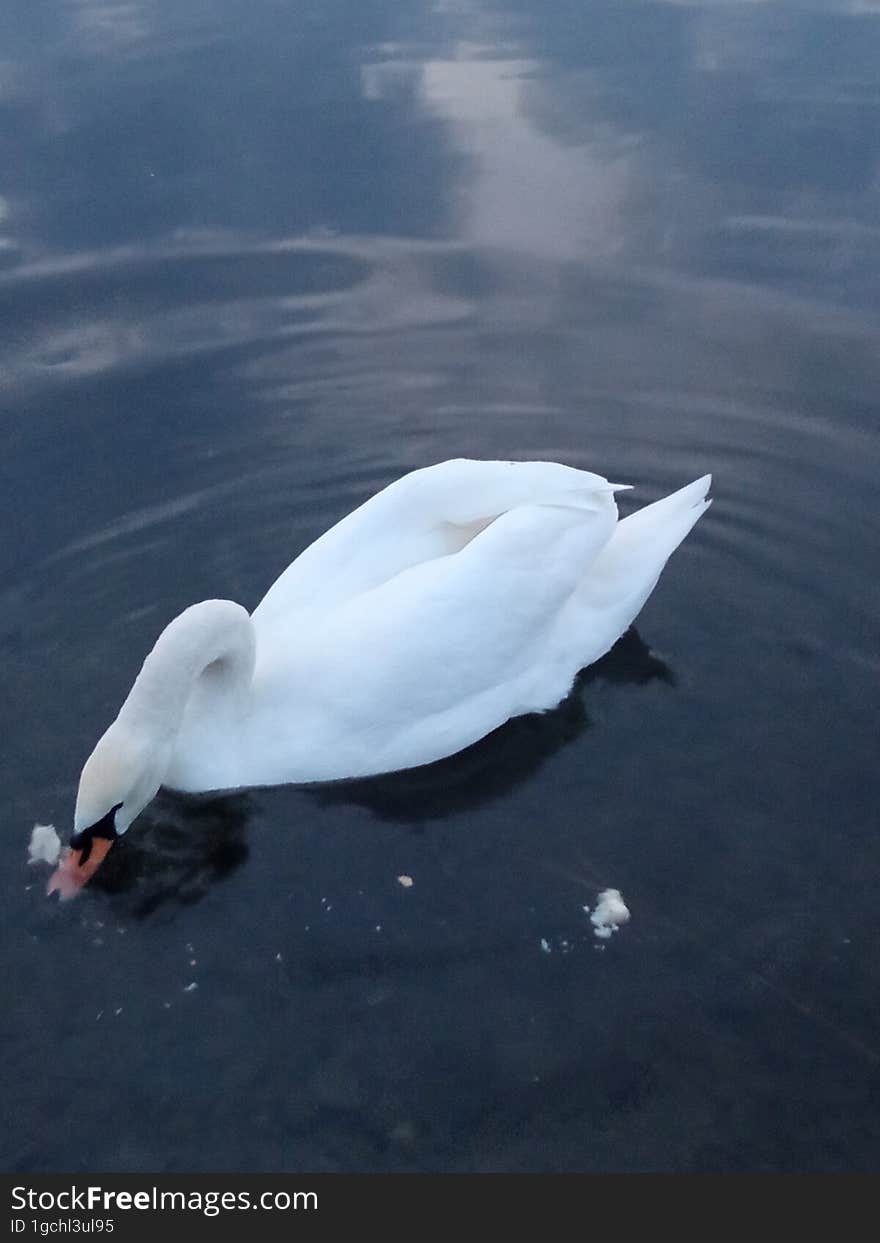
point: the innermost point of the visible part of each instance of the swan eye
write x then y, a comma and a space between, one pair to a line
105, 827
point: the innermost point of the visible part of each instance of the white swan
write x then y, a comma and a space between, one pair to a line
460, 596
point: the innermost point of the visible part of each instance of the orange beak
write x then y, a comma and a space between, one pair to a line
71, 874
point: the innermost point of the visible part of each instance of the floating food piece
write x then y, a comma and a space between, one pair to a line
406, 881
45, 845
611, 911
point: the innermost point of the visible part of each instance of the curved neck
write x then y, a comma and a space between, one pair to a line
210, 645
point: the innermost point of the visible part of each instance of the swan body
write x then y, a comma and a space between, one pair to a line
461, 595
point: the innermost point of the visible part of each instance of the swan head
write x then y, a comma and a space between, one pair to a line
118, 779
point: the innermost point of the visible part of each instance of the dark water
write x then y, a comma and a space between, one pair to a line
258, 259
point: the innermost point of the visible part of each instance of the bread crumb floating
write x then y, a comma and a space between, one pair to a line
45, 845
190, 988
405, 881
611, 911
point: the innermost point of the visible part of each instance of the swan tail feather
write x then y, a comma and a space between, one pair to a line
665, 523
629, 565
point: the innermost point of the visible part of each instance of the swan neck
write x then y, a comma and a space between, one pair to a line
214, 639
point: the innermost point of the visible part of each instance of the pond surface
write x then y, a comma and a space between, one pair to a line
256, 261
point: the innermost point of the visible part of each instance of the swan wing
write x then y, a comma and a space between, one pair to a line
436, 657
429, 513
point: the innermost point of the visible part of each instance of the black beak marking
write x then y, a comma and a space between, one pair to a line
105, 827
